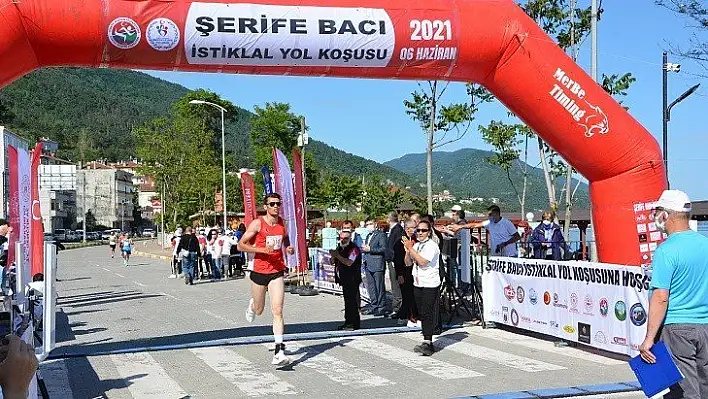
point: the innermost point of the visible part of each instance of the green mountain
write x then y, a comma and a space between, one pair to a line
467, 174
104, 104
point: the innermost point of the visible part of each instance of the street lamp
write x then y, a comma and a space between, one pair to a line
670, 67
223, 155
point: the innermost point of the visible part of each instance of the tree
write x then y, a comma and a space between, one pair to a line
90, 221
379, 198
438, 120
273, 126
179, 151
695, 11
505, 139
137, 213
6, 114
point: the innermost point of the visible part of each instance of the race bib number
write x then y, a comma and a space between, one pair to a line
274, 241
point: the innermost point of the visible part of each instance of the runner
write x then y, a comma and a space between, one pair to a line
265, 238
127, 246
112, 243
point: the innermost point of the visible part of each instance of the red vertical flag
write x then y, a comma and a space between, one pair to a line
37, 230
14, 199
248, 189
300, 211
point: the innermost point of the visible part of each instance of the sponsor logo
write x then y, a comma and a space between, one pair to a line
637, 314
541, 322
604, 307
588, 304
526, 319
571, 96
547, 298
621, 311
514, 317
557, 302
600, 337
162, 34
495, 312
641, 218
509, 292
505, 314
520, 294
574, 302
554, 324
533, 296
124, 33
584, 333
619, 341
568, 329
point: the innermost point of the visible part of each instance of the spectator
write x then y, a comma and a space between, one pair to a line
374, 249
679, 296
547, 239
17, 368
503, 233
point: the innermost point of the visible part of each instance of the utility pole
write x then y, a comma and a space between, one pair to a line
593, 38
83, 207
304, 140
666, 109
162, 212
664, 112
593, 72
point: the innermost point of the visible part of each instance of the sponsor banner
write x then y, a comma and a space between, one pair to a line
284, 187
280, 35
249, 201
596, 304
37, 230
267, 181
323, 275
25, 212
648, 236
300, 213
14, 200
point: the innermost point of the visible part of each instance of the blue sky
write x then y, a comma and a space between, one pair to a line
367, 117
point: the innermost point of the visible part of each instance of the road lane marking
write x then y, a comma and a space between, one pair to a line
139, 284
145, 377
539, 344
242, 373
491, 355
168, 295
331, 367
407, 358
120, 275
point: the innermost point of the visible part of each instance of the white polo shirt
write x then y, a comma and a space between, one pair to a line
427, 276
500, 232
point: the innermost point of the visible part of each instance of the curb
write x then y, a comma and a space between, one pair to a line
549, 393
153, 256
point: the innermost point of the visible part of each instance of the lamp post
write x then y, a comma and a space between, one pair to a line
223, 155
666, 109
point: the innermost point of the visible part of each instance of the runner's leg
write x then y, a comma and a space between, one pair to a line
258, 293
276, 288
277, 297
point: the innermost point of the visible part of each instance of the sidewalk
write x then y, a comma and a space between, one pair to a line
151, 249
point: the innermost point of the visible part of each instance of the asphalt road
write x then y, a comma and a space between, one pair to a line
105, 306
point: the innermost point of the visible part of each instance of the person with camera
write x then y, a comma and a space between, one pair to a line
424, 256
17, 368
347, 261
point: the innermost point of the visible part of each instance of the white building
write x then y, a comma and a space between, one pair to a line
107, 193
57, 196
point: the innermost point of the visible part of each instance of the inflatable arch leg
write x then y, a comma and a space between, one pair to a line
491, 42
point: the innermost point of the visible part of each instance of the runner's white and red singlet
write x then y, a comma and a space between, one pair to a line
273, 235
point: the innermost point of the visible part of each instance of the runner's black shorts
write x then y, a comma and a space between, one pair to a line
113, 247
265, 279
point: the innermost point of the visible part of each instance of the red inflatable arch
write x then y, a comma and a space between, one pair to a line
485, 41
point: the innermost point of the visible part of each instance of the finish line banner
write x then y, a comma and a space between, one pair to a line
595, 304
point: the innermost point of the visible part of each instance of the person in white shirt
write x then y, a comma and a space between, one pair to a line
502, 233
423, 256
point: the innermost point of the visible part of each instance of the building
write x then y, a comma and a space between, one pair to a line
57, 195
7, 138
107, 193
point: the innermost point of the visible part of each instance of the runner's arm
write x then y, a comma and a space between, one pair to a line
244, 243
